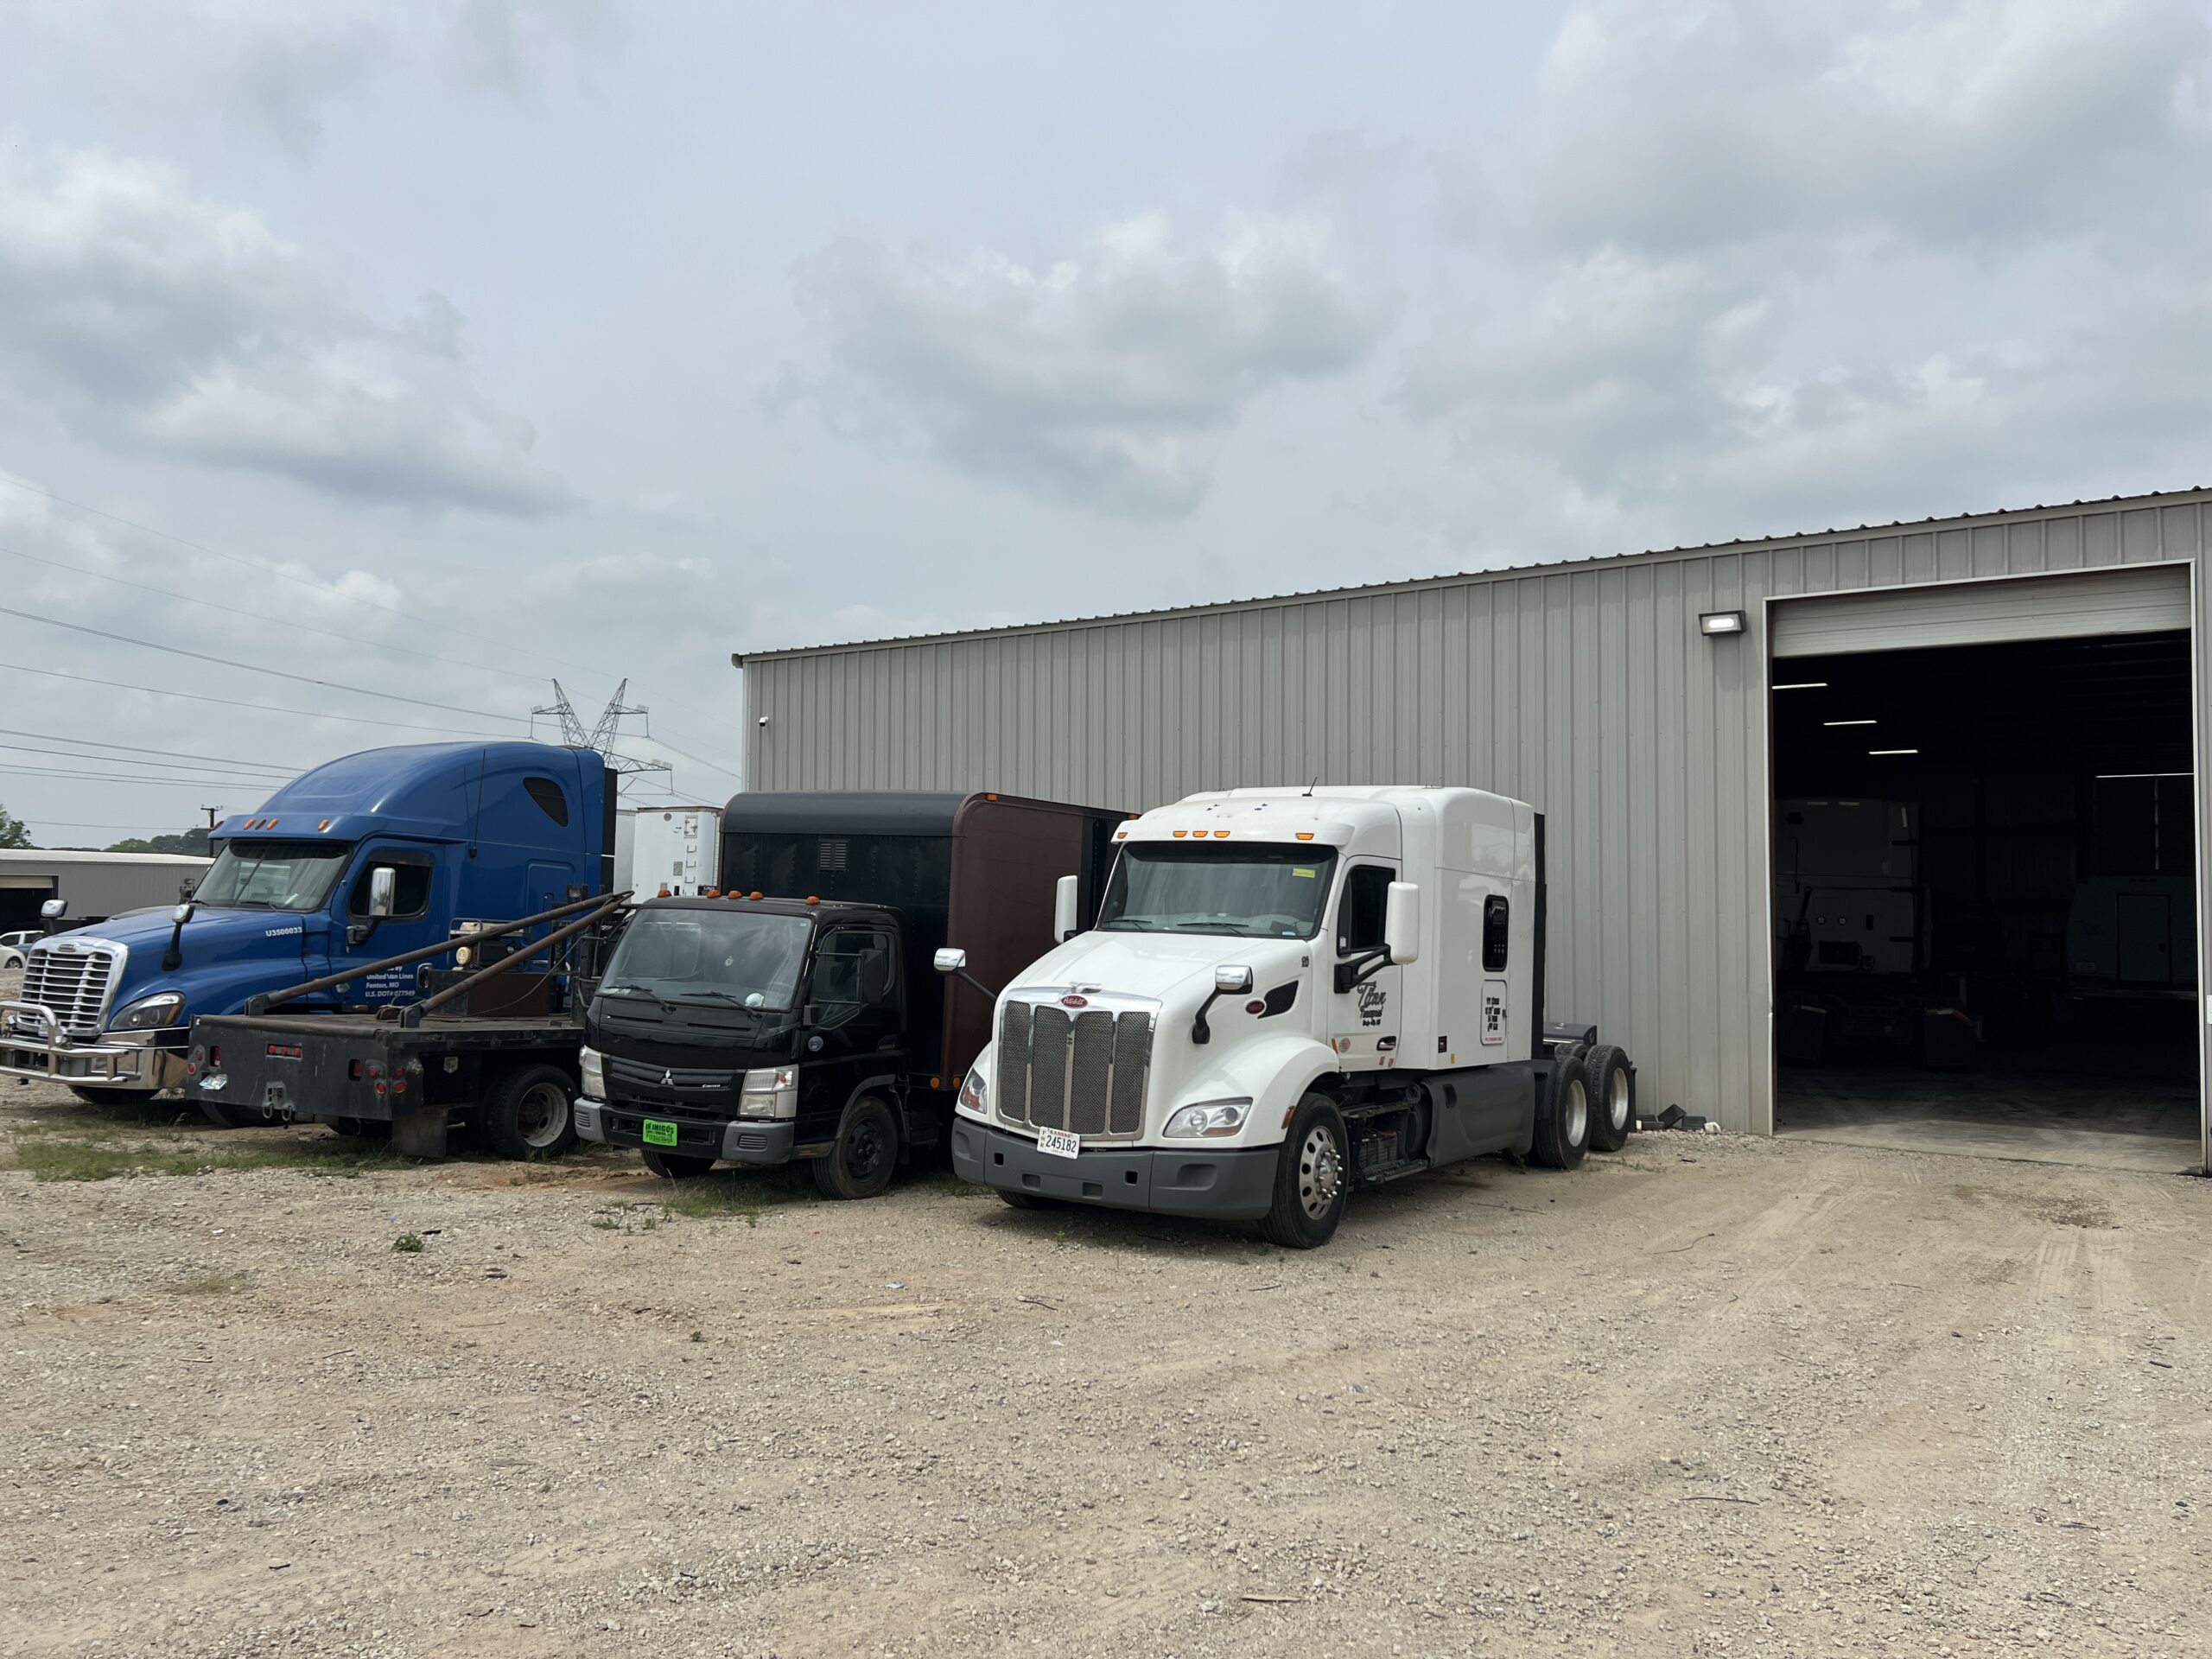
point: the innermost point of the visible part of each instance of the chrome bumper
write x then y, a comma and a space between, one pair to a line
133, 1062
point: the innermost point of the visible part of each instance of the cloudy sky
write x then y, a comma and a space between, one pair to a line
432, 349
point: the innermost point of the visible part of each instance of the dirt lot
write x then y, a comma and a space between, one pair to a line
1714, 1396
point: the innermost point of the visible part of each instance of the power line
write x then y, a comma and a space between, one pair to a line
259, 616
74, 824
240, 558
93, 743
331, 588
227, 777
256, 668
734, 777
203, 784
263, 707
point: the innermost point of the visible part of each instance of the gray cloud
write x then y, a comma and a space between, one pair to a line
1104, 378
1756, 269
153, 319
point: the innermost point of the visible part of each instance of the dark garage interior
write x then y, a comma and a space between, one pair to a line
1984, 899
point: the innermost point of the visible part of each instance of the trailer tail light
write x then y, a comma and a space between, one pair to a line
399, 1085
215, 1054
199, 1059
353, 1070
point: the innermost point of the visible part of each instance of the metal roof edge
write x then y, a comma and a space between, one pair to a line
1413, 584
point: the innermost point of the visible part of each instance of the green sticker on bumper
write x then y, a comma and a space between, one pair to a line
659, 1134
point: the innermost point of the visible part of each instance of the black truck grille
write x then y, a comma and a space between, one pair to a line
704, 1085
1083, 1071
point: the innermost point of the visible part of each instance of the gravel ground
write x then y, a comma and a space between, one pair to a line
1714, 1396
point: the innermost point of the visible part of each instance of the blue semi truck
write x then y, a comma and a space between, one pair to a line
369, 857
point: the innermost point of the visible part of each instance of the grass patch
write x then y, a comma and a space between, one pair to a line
407, 1244
947, 1185
209, 1284
741, 1194
60, 1159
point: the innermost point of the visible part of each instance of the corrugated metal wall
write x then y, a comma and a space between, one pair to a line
1586, 690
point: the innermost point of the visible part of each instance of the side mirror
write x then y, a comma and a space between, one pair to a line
1065, 924
181, 914
1401, 922
383, 890
53, 910
1232, 979
951, 960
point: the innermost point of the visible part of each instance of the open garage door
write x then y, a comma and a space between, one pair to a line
2147, 599
1985, 902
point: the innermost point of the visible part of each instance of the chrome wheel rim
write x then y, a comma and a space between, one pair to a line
1577, 1117
1320, 1172
541, 1115
1616, 1099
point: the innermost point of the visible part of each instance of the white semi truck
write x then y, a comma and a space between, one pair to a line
1288, 994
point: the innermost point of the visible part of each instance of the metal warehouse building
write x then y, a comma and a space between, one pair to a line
1884, 832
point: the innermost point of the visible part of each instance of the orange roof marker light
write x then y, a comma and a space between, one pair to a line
757, 893
1221, 835
714, 892
325, 824
1305, 835
813, 898
1179, 834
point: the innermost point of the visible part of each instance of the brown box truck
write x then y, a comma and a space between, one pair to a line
795, 1013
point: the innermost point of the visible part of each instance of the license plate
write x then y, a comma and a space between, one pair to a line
1058, 1142
659, 1133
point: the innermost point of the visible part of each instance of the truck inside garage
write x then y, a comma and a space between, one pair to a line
1984, 876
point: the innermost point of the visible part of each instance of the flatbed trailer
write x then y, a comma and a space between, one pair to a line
509, 1075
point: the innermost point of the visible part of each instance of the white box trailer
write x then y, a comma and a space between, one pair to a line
1289, 994
675, 850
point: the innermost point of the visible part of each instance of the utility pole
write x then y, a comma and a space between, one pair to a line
212, 812
603, 736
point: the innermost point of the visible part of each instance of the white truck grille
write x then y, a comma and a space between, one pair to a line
1083, 1071
73, 981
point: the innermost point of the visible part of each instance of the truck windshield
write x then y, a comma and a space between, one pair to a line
1254, 890
709, 956
272, 874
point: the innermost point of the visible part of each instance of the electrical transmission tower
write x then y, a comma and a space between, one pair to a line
602, 736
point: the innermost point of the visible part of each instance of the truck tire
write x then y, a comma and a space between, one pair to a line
529, 1116
1611, 1088
1563, 1120
231, 1117
676, 1165
1313, 1176
861, 1162
108, 1096
1023, 1200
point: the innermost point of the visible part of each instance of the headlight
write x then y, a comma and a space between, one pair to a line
1212, 1118
771, 1092
595, 1074
976, 1093
149, 1012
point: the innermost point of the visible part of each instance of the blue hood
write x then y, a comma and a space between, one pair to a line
229, 955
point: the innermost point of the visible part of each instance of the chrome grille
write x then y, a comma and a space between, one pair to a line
1083, 1072
74, 984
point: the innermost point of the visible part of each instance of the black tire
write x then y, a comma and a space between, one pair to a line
676, 1165
1611, 1085
529, 1114
1313, 1176
1563, 1120
110, 1097
1023, 1200
231, 1117
865, 1155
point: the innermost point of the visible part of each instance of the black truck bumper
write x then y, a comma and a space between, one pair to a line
731, 1141
1229, 1185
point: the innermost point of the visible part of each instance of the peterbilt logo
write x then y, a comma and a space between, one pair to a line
1074, 1002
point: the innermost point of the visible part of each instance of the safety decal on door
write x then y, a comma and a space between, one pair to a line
1493, 1011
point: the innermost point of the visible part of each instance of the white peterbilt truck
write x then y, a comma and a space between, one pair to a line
1288, 994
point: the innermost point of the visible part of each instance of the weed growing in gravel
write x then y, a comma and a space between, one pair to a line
407, 1244
60, 1159
628, 1216
945, 1182
209, 1284
739, 1194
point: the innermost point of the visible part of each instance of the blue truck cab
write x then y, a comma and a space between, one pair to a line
468, 831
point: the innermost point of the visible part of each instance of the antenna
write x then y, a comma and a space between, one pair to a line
1310, 787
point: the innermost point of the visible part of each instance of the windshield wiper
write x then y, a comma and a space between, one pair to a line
1130, 923
666, 1006
714, 991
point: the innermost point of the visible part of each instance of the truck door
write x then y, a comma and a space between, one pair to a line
1364, 1018
856, 1028
356, 936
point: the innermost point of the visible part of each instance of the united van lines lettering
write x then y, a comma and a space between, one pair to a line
281, 932
1372, 998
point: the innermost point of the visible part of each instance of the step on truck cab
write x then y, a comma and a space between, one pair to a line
1289, 994
359, 859
794, 1015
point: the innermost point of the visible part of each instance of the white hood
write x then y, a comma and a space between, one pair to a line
1176, 968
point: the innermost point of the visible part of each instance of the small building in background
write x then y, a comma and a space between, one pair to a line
96, 884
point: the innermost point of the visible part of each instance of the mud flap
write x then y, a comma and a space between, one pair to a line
420, 1134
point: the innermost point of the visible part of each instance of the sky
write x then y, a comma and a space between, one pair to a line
363, 367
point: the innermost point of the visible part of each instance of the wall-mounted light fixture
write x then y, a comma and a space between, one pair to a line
1720, 622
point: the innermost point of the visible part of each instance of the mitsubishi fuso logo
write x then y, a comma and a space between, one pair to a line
668, 1079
